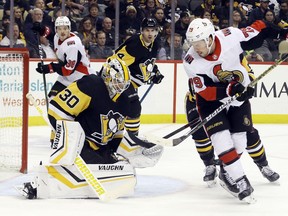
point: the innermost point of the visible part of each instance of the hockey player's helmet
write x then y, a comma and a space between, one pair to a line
116, 75
200, 29
148, 23
62, 21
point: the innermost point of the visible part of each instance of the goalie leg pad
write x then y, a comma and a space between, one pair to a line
56, 181
68, 142
138, 155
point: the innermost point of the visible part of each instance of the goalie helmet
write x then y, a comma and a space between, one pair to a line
62, 21
116, 76
200, 29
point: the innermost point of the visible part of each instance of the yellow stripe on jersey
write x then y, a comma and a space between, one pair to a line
124, 56
72, 100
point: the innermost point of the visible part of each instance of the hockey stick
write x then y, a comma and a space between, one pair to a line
147, 91
82, 167
43, 74
177, 141
189, 124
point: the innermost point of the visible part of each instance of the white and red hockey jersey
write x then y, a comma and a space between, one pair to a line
72, 53
224, 64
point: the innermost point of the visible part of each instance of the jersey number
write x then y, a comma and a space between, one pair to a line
69, 99
197, 82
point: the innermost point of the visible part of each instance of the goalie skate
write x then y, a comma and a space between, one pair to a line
27, 190
210, 176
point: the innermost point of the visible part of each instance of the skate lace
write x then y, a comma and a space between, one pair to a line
209, 170
267, 171
229, 179
242, 184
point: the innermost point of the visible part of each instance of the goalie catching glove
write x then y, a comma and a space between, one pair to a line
140, 153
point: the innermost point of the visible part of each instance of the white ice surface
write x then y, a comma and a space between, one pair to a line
173, 187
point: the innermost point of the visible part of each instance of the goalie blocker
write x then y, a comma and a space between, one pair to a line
62, 179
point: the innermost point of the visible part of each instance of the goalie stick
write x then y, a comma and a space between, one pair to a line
177, 141
82, 167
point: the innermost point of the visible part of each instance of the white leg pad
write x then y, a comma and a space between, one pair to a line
56, 181
68, 142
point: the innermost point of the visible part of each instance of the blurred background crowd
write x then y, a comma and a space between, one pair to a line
102, 25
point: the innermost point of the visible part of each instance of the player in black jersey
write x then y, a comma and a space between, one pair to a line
139, 53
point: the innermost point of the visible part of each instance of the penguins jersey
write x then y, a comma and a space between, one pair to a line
139, 58
211, 74
71, 53
87, 101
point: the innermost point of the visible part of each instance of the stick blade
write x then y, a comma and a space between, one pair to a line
158, 140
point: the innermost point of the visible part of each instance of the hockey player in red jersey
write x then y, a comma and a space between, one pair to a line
73, 62
204, 147
215, 64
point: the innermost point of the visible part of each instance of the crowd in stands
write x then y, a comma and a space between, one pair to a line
94, 22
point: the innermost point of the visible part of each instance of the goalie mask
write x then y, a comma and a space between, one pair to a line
116, 76
200, 30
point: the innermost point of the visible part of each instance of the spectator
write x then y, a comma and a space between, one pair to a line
283, 13
130, 21
76, 9
164, 52
36, 33
258, 12
182, 24
207, 5
5, 22
15, 41
109, 30
23, 5
237, 20
150, 6
165, 34
87, 33
47, 20
269, 48
100, 50
18, 18
95, 18
158, 15
110, 11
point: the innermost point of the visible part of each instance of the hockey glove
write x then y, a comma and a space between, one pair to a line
233, 88
156, 75
248, 94
44, 69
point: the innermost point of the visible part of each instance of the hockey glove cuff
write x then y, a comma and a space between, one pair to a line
233, 88
44, 69
248, 94
156, 75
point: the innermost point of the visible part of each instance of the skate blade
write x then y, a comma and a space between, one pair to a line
223, 185
250, 199
212, 183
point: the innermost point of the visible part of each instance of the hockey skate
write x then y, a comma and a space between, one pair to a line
245, 190
210, 175
269, 174
27, 190
228, 183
